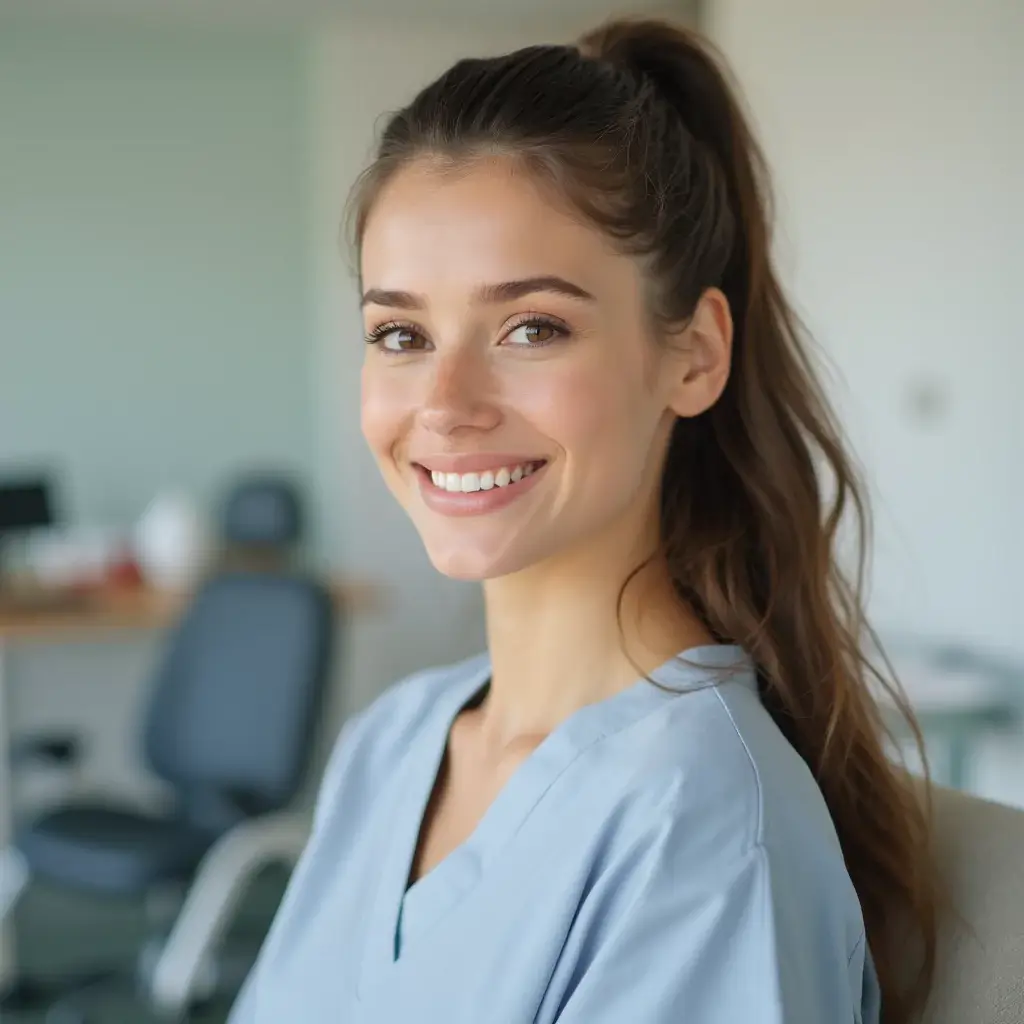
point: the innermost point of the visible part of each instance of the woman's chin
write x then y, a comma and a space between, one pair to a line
470, 565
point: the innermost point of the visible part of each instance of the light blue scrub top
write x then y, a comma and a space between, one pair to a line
658, 858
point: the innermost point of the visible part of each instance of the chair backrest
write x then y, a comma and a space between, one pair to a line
980, 848
231, 721
263, 511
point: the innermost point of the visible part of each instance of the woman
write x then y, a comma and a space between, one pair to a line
662, 796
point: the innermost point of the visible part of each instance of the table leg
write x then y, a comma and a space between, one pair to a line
958, 749
8, 967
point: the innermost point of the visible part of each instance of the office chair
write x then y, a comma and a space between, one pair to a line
230, 728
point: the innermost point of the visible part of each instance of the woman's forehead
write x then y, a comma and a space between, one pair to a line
484, 222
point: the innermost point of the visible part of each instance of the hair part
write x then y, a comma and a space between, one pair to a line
640, 130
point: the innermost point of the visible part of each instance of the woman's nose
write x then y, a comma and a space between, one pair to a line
461, 394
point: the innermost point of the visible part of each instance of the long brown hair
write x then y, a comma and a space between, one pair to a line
639, 127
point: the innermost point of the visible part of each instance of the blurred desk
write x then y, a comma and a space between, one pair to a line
959, 698
47, 615
36, 615
959, 731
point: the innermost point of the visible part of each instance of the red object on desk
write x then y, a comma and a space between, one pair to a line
125, 572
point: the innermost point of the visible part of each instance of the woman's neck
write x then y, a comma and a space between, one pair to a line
558, 639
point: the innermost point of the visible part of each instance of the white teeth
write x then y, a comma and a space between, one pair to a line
467, 483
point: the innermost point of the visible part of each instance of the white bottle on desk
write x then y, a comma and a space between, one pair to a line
172, 541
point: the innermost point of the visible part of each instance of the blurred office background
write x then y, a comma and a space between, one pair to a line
175, 314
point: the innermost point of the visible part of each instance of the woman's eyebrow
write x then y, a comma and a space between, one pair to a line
509, 290
505, 291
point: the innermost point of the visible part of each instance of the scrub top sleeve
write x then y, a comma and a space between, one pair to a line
740, 943
334, 772
244, 1009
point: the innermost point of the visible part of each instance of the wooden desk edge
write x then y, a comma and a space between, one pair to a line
147, 608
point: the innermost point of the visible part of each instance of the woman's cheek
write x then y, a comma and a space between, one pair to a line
575, 406
383, 410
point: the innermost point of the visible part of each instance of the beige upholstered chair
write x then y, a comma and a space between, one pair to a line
980, 978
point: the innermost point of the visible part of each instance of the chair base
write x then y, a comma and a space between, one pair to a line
31, 994
60, 1000
24, 995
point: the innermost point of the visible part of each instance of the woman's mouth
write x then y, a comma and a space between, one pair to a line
469, 483
480, 490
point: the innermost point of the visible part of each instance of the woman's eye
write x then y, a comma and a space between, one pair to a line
534, 333
399, 339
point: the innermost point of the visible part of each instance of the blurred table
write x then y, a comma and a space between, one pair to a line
959, 698
40, 615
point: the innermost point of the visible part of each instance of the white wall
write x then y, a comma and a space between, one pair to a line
153, 246
895, 133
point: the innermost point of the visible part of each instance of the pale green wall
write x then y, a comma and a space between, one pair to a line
155, 305
154, 287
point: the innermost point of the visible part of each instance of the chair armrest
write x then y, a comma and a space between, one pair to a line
223, 875
13, 878
61, 750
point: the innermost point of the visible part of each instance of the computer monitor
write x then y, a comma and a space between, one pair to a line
26, 503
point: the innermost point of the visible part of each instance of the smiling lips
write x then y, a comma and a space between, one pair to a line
467, 483
467, 486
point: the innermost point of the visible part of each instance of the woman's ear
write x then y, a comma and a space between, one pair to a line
703, 356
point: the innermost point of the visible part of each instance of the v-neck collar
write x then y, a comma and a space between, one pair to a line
403, 914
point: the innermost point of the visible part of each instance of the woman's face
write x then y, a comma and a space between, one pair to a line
512, 395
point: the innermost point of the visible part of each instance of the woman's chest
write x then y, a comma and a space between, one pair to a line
470, 942
469, 782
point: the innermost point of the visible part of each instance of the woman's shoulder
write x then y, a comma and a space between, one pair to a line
716, 764
759, 799
716, 797
791, 812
